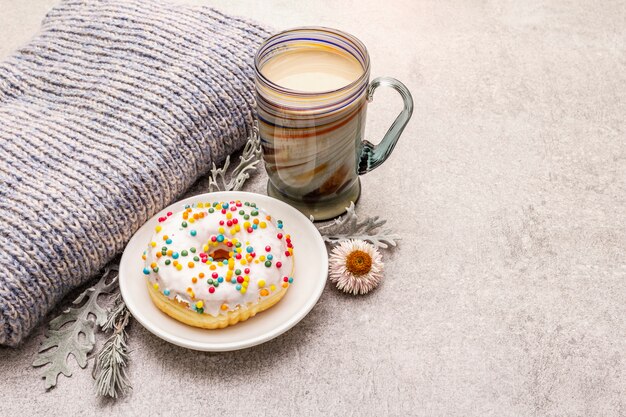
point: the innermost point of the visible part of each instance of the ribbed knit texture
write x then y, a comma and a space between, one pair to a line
107, 116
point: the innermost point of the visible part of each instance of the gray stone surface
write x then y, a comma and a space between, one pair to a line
507, 295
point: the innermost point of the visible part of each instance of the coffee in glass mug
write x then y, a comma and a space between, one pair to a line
312, 88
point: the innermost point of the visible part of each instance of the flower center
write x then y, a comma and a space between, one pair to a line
359, 262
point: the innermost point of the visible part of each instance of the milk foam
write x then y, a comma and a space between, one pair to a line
312, 70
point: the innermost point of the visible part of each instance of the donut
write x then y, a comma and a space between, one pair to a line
215, 264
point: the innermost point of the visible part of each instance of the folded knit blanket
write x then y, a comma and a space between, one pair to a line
108, 115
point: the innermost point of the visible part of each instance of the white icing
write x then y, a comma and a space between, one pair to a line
178, 281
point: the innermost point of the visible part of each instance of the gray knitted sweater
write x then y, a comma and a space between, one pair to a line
108, 115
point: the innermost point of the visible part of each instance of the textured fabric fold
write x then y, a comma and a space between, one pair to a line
109, 114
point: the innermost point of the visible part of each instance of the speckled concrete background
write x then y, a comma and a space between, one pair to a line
507, 296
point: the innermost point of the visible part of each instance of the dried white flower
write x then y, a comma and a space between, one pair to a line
356, 266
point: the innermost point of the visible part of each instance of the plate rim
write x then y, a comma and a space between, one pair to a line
302, 312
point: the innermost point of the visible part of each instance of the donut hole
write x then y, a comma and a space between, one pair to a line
219, 255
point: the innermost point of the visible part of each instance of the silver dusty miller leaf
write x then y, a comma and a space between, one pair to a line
72, 332
350, 227
110, 366
248, 161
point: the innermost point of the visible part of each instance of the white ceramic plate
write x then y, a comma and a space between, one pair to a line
310, 277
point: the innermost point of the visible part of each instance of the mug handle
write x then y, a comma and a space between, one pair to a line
370, 155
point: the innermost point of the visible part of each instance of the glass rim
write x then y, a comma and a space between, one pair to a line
348, 37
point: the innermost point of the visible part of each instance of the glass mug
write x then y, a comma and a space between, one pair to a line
312, 142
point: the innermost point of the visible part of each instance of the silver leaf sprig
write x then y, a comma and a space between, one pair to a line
111, 364
248, 161
72, 332
349, 226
